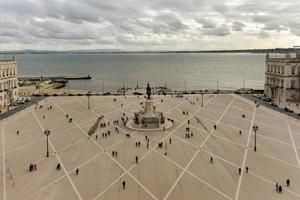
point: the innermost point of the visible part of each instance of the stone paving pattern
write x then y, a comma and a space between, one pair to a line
180, 170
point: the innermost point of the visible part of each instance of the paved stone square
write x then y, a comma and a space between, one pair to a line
180, 169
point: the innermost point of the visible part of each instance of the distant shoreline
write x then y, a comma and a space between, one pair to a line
254, 51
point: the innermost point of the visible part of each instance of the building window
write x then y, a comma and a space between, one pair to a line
293, 83
282, 70
293, 70
282, 82
278, 71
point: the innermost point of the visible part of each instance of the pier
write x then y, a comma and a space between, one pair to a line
53, 78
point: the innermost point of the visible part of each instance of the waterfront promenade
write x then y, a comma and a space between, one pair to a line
181, 169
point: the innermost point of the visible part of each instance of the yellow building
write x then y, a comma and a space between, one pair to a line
8, 82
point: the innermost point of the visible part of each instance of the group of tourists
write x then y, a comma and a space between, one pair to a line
147, 141
160, 145
103, 124
246, 170
186, 112
138, 144
189, 135
70, 120
32, 167
116, 122
105, 134
279, 189
49, 108
115, 153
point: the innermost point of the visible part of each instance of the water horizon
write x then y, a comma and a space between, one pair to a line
197, 70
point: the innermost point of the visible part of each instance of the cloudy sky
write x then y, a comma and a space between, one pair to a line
148, 24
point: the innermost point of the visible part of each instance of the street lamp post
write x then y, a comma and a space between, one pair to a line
255, 128
47, 133
88, 96
202, 94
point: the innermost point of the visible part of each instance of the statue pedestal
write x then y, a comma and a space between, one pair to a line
149, 110
149, 119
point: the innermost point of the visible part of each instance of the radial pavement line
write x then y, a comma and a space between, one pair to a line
293, 142
124, 169
237, 194
60, 161
152, 149
196, 153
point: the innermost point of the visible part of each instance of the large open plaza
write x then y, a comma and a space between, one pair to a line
199, 158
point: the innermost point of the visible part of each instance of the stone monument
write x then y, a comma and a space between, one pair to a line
149, 118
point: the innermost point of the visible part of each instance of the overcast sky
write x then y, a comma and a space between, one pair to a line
148, 24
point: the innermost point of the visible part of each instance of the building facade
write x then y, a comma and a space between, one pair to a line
282, 78
8, 82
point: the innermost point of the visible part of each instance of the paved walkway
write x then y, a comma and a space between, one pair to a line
181, 169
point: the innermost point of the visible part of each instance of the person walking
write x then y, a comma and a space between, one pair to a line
288, 182
124, 184
136, 159
77, 171
280, 189
211, 160
58, 167
277, 187
240, 171
247, 169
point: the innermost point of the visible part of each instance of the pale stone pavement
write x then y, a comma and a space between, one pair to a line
183, 173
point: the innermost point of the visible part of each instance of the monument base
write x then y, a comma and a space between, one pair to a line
130, 125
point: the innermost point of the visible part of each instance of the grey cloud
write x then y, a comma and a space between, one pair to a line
238, 26
221, 8
263, 18
295, 29
8, 32
206, 22
274, 26
221, 30
264, 34
167, 23
155, 23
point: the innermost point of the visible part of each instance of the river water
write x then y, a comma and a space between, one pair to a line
177, 70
